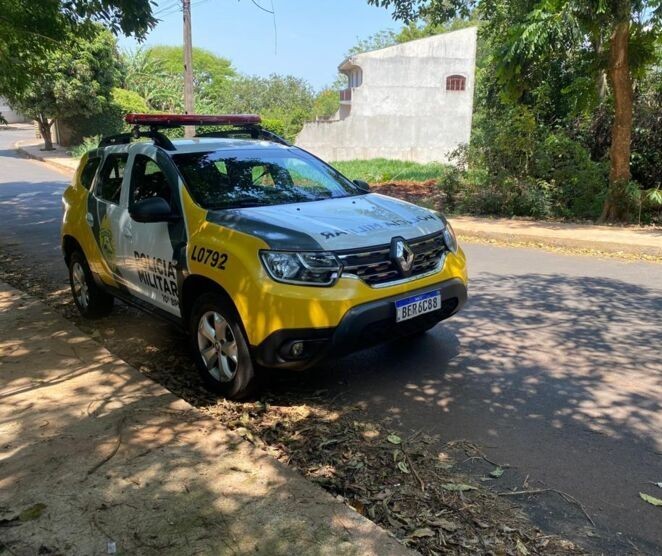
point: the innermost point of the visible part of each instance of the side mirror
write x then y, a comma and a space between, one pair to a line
362, 185
154, 209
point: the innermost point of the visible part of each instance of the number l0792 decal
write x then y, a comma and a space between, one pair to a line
209, 256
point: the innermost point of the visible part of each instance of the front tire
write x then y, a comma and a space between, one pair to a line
220, 348
91, 300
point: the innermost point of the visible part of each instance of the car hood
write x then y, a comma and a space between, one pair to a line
333, 224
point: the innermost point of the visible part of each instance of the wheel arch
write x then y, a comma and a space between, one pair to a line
69, 245
196, 285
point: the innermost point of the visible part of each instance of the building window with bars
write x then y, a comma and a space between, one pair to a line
456, 83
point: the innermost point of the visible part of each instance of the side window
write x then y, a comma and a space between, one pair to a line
109, 184
87, 175
148, 180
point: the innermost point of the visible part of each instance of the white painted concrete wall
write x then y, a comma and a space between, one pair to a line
402, 109
10, 115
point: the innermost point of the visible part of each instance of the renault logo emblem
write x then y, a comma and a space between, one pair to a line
402, 255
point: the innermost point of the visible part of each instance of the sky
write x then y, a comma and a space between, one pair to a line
312, 35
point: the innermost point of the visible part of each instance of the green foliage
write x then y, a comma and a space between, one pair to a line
647, 130
156, 74
381, 39
30, 30
128, 102
88, 144
326, 103
578, 184
275, 126
277, 97
210, 72
75, 79
108, 121
381, 170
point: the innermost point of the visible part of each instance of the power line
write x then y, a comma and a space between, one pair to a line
262, 8
273, 12
167, 7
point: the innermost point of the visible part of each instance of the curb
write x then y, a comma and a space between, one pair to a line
24, 152
622, 250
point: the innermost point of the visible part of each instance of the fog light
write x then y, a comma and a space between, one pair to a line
297, 349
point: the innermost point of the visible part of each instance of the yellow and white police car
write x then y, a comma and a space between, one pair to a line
266, 254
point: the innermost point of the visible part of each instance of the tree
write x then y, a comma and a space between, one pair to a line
326, 104
156, 75
381, 39
29, 28
147, 77
277, 97
75, 79
612, 38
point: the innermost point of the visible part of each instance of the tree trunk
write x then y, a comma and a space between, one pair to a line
616, 203
45, 130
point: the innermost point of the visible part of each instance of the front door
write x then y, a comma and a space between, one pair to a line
149, 251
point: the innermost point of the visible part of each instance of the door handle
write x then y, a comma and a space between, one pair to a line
126, 232
90, 219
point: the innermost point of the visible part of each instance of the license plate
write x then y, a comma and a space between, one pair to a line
411, 307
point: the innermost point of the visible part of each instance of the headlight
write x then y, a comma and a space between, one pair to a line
449, 238
307, 269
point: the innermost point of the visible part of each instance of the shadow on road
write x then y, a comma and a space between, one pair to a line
560, 377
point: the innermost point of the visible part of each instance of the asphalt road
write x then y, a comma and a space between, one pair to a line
554, 367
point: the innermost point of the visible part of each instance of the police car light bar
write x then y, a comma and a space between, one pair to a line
176, 120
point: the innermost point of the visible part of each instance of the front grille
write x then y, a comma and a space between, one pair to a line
374, 265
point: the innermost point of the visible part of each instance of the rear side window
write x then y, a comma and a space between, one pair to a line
109, 184
87, 175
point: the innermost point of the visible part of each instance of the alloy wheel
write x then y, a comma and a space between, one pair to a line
80, 287
218, 346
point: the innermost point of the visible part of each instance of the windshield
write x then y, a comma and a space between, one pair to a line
220, 180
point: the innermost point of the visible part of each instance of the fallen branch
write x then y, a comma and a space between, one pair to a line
413, 470
562, 494
120, 424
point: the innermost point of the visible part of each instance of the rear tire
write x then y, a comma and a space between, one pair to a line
91, 300
220, 349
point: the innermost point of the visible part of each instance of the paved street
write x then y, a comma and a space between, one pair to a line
553, 367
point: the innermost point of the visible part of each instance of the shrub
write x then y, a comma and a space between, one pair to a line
578, 185
88, 144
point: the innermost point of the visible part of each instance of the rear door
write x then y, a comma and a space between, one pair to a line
105, 212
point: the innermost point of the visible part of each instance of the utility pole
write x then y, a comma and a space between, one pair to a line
189, 131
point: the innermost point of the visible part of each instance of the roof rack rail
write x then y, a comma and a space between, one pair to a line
240, 124
253, 131
159, 139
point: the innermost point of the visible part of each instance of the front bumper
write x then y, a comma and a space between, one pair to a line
362, 326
